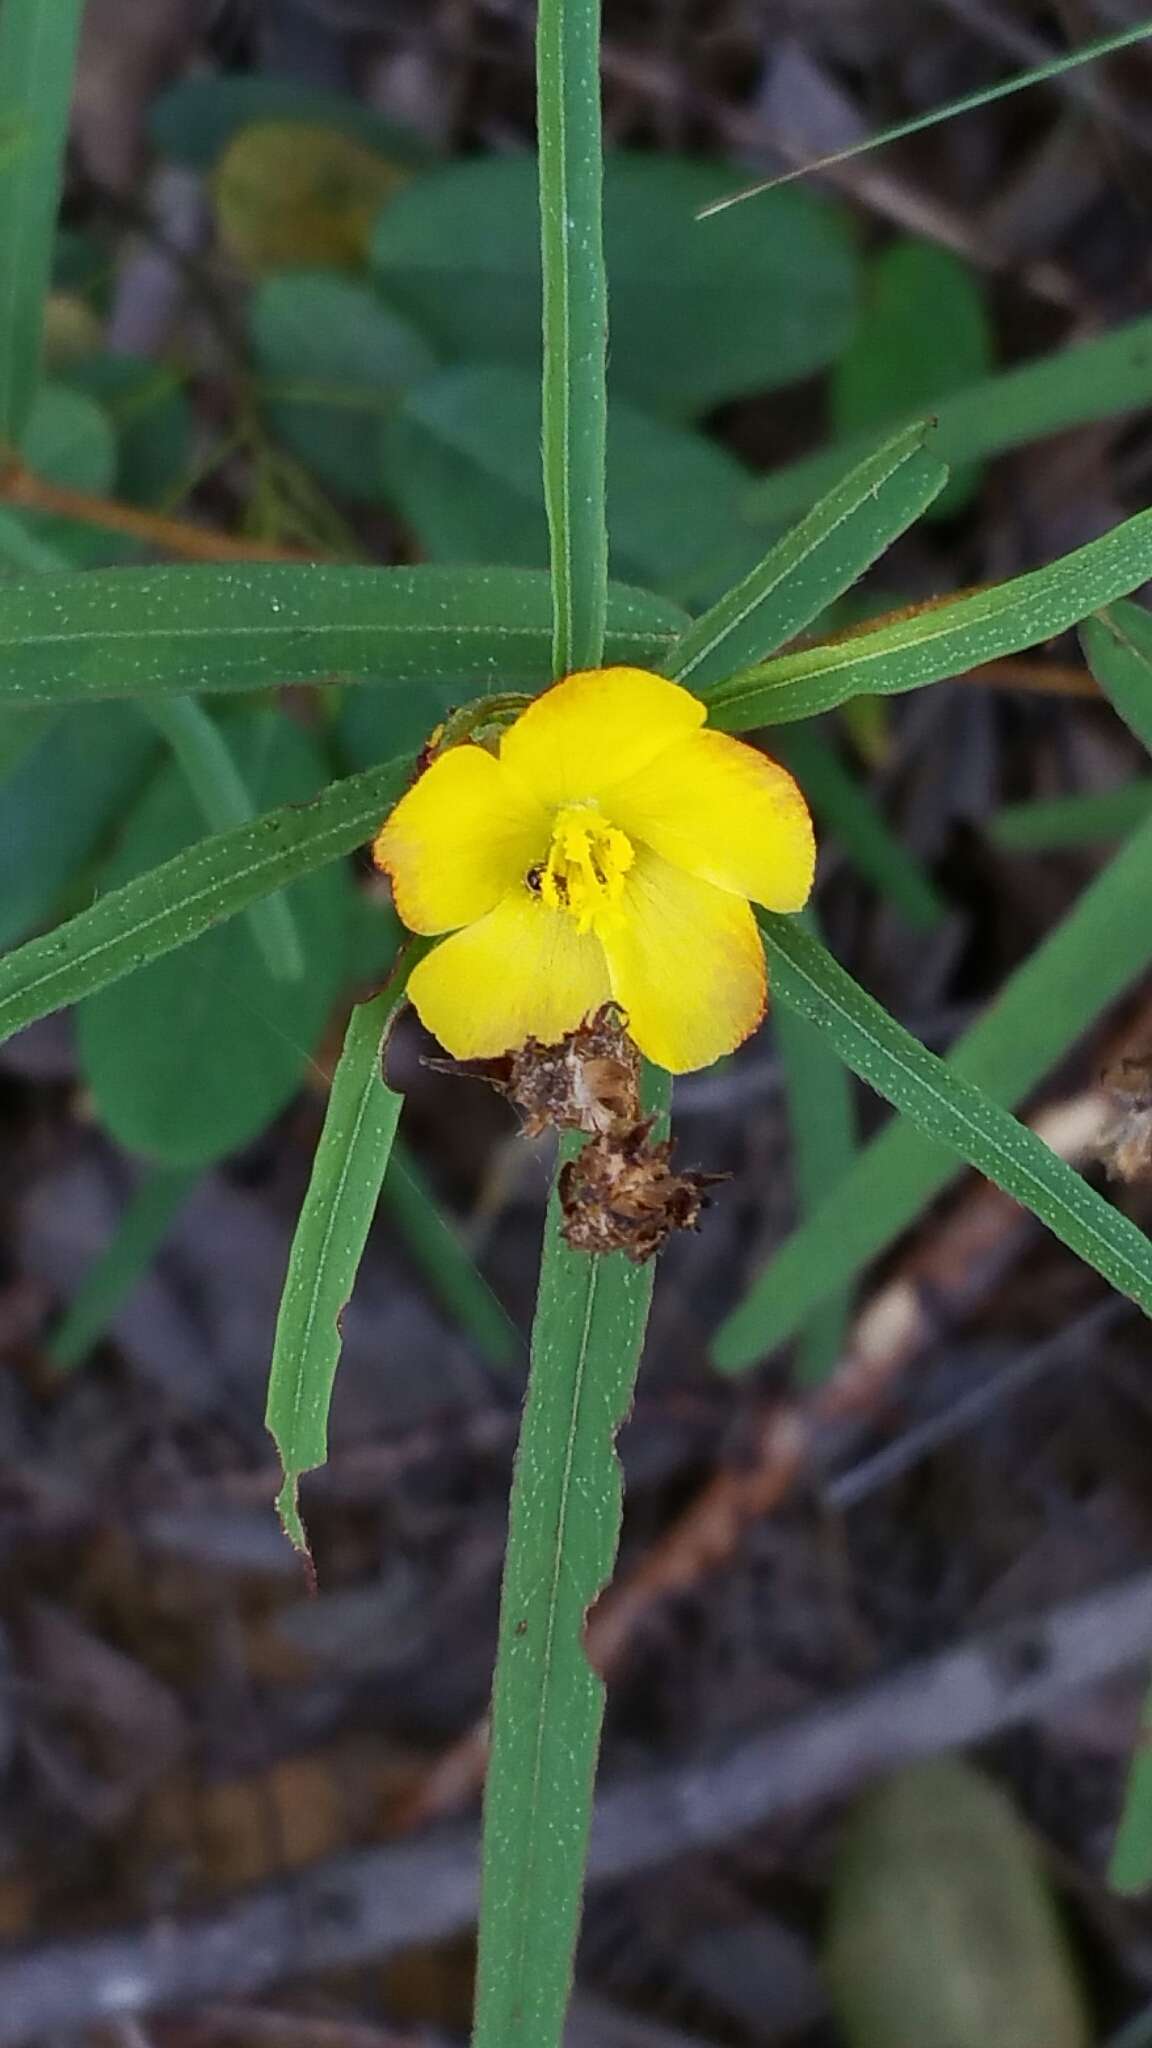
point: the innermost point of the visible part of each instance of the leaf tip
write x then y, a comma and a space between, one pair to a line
288, 1509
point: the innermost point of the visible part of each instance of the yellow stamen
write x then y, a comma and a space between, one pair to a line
587, 862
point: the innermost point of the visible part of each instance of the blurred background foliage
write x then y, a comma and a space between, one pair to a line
295, 312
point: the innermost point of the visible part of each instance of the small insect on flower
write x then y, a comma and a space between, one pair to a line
604, 848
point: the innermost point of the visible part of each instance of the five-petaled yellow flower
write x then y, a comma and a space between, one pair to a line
605, 851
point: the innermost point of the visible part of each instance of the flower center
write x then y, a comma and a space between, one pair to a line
586, 865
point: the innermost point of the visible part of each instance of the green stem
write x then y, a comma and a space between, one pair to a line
575, 308
160, 1195
38, 41
548, 1703
222, 794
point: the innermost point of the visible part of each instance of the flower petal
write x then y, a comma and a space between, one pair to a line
725, 812
459, 840
521, 972
593, 729
687, 965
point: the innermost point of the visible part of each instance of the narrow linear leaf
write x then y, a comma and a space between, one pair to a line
924, 330
575, 307
916, 124
347, 1174
139, 1234
176, 902
814, 564
951, 1109
222, 794
944, 640
845, 807
38, 41
1089, 380
548, 1703
451, 1273
193, 1054
1130, 1867
822, 1128
1047, 823
138, 632
1118, 648
1099, 949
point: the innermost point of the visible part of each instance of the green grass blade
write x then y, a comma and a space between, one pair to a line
347, 1174
818, 560
822, 1129
141, 1230
1118, 646
575, 403
1090, 380
1046, 824
143, 632
1130, 1867
944, 641
1038, 74
1098, 951
548, 1703
847, 809
219, 788
174, 903
953, 1111
448, 1268
37, 59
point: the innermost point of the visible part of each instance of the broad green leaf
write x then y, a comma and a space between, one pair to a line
20, 731
1045, 823
944, 640
1088, 380
193, 1055
69, 439
201, 887
60, 801
574, 424
548, 1704
1098, 951
148, 409
375, 723
296, 194
38, 41
1130, 1867
814, 564
448, 1269
944, 1926
129, 632
194, 121
332, 359
1119, 650
923, 333
347, 1174
464, 469
844, 806
953, 1111
160, 1194
698, 315
23, 550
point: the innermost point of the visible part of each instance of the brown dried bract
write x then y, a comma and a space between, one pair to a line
622, 1195
1126, 1145
589, 1082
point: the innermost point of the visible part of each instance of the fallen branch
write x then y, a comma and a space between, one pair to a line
374, 1903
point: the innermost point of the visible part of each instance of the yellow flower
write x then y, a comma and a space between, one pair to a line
606, 851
